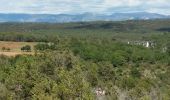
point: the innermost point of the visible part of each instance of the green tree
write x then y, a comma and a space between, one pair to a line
26, 48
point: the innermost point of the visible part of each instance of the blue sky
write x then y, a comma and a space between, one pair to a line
81, 6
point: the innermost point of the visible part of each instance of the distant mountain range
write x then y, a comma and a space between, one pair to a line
60, 18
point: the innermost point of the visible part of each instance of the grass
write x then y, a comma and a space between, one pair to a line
15, 48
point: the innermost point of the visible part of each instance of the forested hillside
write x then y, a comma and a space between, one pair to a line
126, 60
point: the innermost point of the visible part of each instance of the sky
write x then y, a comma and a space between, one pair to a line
82, 6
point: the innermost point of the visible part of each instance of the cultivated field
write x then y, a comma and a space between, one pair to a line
15, 48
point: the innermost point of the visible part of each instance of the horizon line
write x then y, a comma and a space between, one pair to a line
83, 13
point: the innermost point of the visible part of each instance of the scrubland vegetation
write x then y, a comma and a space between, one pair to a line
87, 61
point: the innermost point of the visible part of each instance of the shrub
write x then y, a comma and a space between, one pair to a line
26, 48
5, 49
45, 46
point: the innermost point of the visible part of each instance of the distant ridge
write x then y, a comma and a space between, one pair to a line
61, 18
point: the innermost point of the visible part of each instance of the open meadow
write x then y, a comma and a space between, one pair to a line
15, 48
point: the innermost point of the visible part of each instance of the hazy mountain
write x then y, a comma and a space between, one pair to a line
79, 17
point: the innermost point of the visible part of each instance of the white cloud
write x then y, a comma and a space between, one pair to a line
80, 6
116, 3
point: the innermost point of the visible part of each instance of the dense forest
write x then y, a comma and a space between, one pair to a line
126, 60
